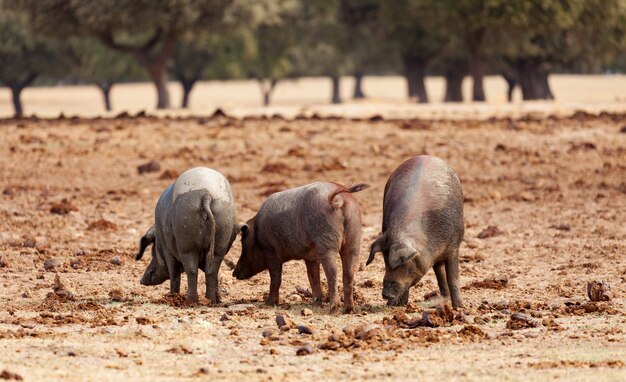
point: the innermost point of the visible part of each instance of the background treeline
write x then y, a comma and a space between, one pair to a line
107, 42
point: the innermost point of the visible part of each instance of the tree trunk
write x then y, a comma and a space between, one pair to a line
187, 87
336, 89
534, 80
105, 88
358, 85
158, 75
415, 73
16, 92
511, 82
267, 88
474, 43
454, 86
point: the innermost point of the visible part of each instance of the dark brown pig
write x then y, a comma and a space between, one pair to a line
422, 228
311, 223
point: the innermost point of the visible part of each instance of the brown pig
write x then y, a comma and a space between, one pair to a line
311, 223
422, 228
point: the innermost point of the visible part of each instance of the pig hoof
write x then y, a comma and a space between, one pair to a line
271, 302
317, 301
348, 310
334, 310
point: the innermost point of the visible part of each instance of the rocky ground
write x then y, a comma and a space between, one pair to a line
545, 201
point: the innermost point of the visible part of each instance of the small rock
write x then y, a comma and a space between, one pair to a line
3, 262
63, 208
144, 320
369, 332
8, 375
284, 322
490, 231
203, 370
304, 350
432, 295
224, 317
26, 294
102, 225
304, 330
152, 166
169, 174
304, 292
306, 312
116, 261
598, 290
180, 349
51, 264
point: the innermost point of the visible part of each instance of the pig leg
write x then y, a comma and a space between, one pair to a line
190, 262
440, 272
452, 274
313, 271
174, 269
330, 270
348, 265
276, 274
212, 282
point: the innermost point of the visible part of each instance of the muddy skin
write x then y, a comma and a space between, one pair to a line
422, 229
311, 223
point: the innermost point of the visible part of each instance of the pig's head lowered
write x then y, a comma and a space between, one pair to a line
251, 260
156, 273
402, 268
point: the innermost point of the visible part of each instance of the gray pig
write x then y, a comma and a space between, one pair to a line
194, 228
311, 223
422, 228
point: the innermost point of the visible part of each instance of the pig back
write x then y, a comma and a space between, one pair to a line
423, 197
297, 219
202, 178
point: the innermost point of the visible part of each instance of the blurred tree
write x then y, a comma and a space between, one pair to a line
414, 27
147, 29
25, 56
361, 20
453, 64
103, 67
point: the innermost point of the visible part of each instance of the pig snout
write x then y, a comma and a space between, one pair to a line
394, 293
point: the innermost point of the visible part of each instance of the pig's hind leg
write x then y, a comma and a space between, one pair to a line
452, 274
191, 262
327, 258
313, 271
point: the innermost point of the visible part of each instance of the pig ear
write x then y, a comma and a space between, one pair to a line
401, 255
241, 227
377, 246
146, 240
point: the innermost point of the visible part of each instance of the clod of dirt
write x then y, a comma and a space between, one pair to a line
276, 168
561, 227
368, 332
432, 295
8, 375
219, 112
443, 315
582, 146
3, 262
51, 264
306, 312
494, 283
152, 166
490, 231
368, 284
623, 129
472, 332
294, 298
284, 322
116, 260
102, 225
63, 208
117, 295
180, 349
29, 242
598, 290
304, 292
304, 350
229, 263
169, 174
521, 321
304, 330
412, 307
144, 320
60, 292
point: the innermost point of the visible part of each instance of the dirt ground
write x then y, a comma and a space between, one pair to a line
544, 214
